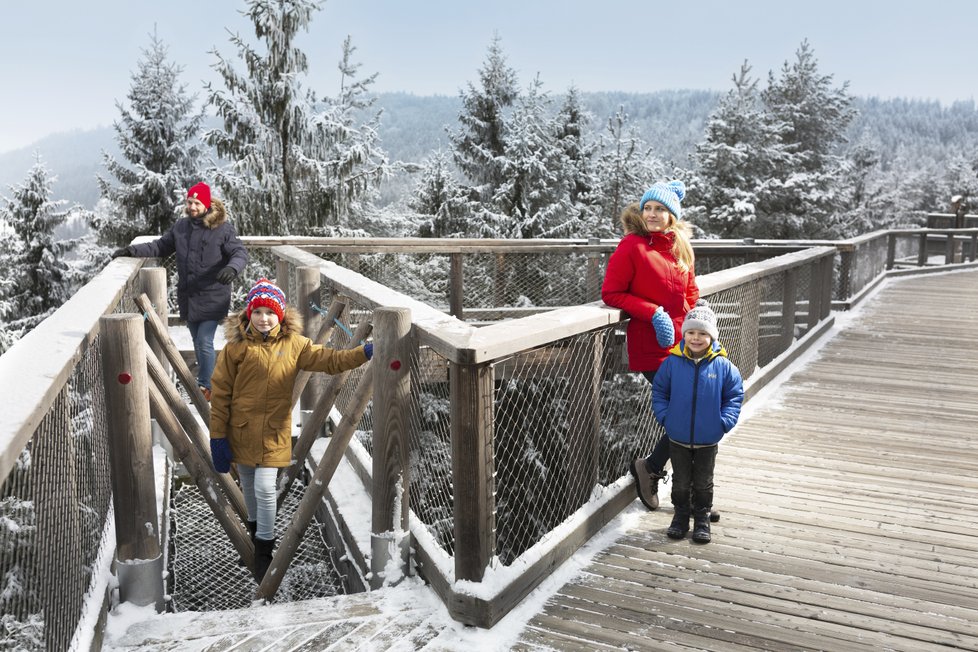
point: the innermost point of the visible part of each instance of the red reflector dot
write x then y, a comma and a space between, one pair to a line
125, 378
396, 365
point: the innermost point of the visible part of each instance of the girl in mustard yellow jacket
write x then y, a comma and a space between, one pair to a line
251, 401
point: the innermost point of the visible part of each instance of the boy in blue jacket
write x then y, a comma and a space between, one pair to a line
696, 396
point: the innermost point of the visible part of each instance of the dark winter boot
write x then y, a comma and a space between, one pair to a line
701, 526
679, 526
263, 557
646, 484
252, 528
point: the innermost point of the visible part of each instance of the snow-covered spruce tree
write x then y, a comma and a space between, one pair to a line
623, 168
341, 161
296, 163
439, 195
534, 192
480, 140
816, 118
37, 280
159, 137
573, 137
739, 159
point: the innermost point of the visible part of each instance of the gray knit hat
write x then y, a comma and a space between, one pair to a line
701, 317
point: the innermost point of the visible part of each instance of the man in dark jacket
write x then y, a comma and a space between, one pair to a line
209, 256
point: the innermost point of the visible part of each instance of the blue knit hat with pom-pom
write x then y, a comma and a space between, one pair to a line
667, 194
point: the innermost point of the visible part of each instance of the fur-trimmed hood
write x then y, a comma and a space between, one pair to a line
215, 216
237, 327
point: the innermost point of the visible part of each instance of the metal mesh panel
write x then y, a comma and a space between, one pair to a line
53, 508
521, 280
738, 311
431, 447
203, 563
548, 403
867, 263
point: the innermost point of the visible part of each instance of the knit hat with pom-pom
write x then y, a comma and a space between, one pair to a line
701, 317
667, 194
268, 295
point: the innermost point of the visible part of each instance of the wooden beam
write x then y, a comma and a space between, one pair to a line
172, 353
391, 436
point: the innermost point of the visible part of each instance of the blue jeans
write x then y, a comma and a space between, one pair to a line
258, 489
202, 333
655, 463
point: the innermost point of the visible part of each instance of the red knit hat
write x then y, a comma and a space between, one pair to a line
202, 193
266, 294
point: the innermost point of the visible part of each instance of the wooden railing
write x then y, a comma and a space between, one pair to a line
769, 311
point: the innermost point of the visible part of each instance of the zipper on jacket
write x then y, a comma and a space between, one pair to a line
692, 415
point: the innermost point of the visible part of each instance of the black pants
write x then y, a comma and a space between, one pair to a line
692, 478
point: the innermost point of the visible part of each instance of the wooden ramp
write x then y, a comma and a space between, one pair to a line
849, 506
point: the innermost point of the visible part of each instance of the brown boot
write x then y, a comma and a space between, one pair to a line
646, 484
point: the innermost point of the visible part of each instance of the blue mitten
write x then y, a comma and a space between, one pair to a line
221, 454
368, 348
665, 332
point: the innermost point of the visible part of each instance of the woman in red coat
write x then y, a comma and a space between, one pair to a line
650, 276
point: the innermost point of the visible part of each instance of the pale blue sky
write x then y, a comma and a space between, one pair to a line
64, 63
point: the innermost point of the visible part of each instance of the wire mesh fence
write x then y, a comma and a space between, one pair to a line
53, 510
204, 571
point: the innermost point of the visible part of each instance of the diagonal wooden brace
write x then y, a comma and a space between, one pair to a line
317, 487
312, 427
204, 476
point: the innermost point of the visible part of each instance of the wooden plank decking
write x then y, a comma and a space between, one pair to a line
849, 507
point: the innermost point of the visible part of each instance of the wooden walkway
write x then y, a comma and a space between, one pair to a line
849, 507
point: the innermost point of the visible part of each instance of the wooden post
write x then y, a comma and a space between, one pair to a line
922, 250
456, 305
581, 455
949, 249
974, 246
282, 275
471, 392
594, 275
890, 250
789, 299
814, 292
307, 300
124, 375
152, 282
828, 278
391, 436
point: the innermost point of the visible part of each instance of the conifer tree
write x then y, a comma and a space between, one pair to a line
816, 118
296, 164
480, 140
36, 279
159, 137
739, 162
438, 195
